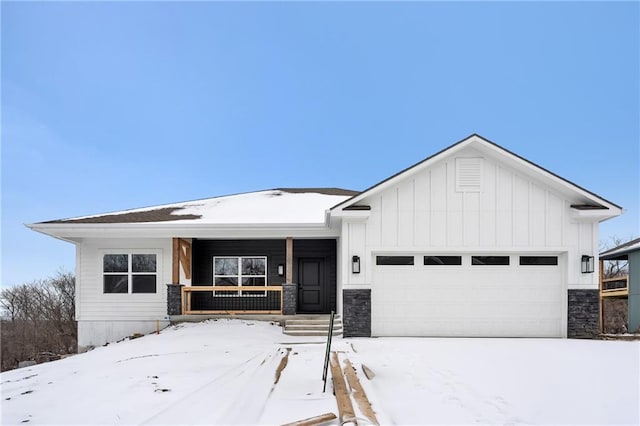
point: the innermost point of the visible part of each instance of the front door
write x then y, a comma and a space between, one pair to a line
312, 288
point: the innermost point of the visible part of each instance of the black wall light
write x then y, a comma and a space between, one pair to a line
280, 270
587, 264
355, 264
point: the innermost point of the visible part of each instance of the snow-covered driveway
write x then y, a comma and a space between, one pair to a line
223, 372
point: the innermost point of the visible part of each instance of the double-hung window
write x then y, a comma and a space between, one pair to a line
242, 272
130, 272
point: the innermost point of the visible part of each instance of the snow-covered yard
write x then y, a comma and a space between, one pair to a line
222, 372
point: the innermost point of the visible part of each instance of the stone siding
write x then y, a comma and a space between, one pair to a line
289, 299
174, 299
583, 314
356, 313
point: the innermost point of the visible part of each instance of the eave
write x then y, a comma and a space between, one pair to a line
76, 232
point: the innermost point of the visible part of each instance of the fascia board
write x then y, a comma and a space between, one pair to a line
355, 214
152, 230
593, 215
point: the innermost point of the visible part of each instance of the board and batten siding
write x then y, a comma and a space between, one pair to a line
94, 305
512, 212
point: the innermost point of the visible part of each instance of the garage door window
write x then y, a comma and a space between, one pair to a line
489, 260
539, 260
394, 260
442, 260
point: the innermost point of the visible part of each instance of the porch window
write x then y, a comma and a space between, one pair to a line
129, 273
241, 272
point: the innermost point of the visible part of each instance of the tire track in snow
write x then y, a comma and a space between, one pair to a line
255, 393
178, 411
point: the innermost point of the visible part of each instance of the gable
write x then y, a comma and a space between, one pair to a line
474, 150
493, 205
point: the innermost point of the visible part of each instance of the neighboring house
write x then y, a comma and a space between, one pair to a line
627, 287
472, 241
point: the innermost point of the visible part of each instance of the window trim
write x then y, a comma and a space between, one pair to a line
239, 276
130, 274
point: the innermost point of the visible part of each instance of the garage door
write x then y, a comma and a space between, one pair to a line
468, 295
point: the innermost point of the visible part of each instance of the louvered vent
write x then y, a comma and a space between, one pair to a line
468, 174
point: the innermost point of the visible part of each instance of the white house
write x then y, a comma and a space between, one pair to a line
472, 241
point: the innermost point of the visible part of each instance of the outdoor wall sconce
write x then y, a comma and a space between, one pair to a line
280, 270
587, 264
355, 264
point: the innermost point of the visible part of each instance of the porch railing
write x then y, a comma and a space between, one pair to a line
615, 286
231, 300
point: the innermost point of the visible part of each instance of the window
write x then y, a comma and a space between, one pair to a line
394, 260
443, 260
489, 260
240, 272
129, 273
538, 260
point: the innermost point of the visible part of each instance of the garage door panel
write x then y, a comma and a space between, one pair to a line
468, 300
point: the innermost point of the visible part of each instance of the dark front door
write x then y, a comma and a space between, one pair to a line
312, 286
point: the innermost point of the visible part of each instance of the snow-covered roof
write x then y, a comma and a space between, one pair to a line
621, 251
275, 206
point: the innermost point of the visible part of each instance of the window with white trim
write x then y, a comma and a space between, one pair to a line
129, 273
242, 272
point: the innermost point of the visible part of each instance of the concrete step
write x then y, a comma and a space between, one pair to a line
336, 333
312, 326
312, 322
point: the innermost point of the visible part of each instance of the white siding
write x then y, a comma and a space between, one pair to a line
94, 305
513, 212
97, 333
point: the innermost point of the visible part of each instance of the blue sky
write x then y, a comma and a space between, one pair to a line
114, 105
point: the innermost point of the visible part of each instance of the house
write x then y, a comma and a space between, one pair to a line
472, 241
625, 287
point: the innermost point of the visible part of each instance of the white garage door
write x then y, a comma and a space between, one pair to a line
468, 295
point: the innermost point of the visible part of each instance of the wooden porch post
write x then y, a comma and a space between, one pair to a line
175, 276
289, 260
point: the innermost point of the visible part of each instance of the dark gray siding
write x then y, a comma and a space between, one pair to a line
203, 252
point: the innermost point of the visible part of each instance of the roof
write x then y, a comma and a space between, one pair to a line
276, 206
620, 252
596, 202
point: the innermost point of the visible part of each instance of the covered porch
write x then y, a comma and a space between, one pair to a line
249, 277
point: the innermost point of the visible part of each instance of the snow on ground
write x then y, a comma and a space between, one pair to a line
223, 372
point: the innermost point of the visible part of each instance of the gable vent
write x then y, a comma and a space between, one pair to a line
468, 174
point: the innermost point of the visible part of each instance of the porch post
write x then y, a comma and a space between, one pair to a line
289, 289
289, 267
175, 275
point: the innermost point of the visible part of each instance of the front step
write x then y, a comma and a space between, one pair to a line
308, 325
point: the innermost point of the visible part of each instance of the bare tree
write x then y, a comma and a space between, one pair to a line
614, 309
38, 318
614, 268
